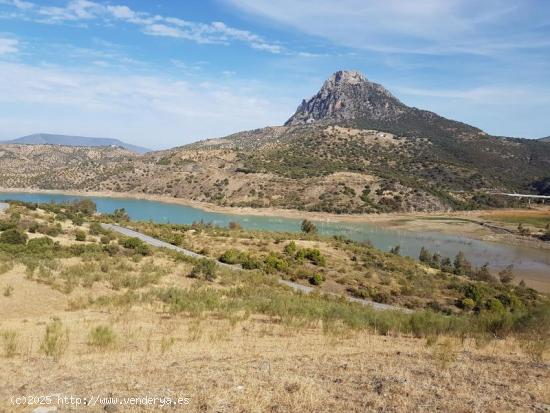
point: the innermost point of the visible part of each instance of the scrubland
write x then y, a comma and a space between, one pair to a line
89, 312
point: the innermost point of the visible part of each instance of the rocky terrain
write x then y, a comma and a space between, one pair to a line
352, 148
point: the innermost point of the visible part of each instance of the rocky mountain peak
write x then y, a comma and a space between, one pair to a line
348, 95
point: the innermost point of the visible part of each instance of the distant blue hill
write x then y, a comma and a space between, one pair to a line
547, 139
50, 139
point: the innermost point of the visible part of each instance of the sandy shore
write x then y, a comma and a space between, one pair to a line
462, 223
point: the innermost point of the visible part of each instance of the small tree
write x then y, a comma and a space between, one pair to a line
396, 250
425, 256
436, 261
506, 276
446, 265
308, 227
461, 265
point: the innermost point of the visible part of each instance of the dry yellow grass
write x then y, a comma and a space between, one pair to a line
258, 366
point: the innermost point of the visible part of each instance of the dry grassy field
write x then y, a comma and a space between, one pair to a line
258, 365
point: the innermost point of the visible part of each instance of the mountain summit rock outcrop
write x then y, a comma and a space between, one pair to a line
348, 95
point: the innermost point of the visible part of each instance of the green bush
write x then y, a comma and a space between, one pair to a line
204, 268
137, 245
101, 336
468, 304
275, 263
316, 279
13, 236
290, 248
40, 245
311, 254
231, 256
80, 235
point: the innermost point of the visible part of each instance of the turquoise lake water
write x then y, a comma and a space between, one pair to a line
535, 261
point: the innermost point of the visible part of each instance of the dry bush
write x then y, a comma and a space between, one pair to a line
56, 339
9, 343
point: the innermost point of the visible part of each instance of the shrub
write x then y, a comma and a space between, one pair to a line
234, 225
308, 227
13, 236
273, 262
40, 245
468, 304
78, 220
311, 254
495, 306
80, 235
523, 230
56, 339
231, 256
444, 353
96, 228
9, 343
101, 336
85, 206
137, 245
204, 268
316, 279
8, 291
474, 292
290, 248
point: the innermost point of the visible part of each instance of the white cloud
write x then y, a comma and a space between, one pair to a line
152, 110
82, 11
8, 46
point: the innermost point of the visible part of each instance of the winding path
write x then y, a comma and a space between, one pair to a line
295, 286
3, 206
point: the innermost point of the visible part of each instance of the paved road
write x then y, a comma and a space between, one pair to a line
161, 244
4, 206
295, 286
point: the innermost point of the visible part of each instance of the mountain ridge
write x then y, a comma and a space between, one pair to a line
351, 148
72, 140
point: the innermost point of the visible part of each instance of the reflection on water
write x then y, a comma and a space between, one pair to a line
479, 252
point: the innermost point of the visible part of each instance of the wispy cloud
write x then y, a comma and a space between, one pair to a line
164, 111
488, 95
85, 11
431, 27
8, 46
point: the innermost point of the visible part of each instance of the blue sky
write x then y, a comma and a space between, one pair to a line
164, 73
